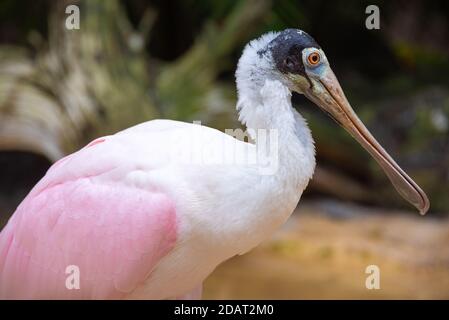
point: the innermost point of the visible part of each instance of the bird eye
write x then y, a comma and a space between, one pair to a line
314, 58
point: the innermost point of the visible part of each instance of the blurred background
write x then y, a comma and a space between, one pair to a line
132, 61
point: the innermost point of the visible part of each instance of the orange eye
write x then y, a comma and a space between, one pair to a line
314, 58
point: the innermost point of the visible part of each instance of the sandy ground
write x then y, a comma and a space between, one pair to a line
323, 250
321, 256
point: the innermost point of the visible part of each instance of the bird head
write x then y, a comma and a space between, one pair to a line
304, 68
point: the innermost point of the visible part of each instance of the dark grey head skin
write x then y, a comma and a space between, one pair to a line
287, 48
288, 53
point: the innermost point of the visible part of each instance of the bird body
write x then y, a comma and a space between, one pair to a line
113, 173
101, 189
149, 212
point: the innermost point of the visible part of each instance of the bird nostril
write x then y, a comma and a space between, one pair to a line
289, 62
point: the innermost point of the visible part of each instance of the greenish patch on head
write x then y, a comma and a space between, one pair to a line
299, 80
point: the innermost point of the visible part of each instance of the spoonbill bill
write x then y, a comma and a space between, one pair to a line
149, 212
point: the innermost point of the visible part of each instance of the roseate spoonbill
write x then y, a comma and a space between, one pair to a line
141, 218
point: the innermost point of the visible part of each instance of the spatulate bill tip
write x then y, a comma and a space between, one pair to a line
424, 206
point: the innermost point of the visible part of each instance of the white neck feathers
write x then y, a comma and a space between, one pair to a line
264, 102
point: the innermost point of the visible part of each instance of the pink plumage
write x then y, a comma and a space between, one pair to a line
82, 213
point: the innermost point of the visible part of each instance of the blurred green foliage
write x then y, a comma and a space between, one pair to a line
397, 78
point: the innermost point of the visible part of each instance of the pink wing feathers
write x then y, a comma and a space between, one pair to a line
81, 213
